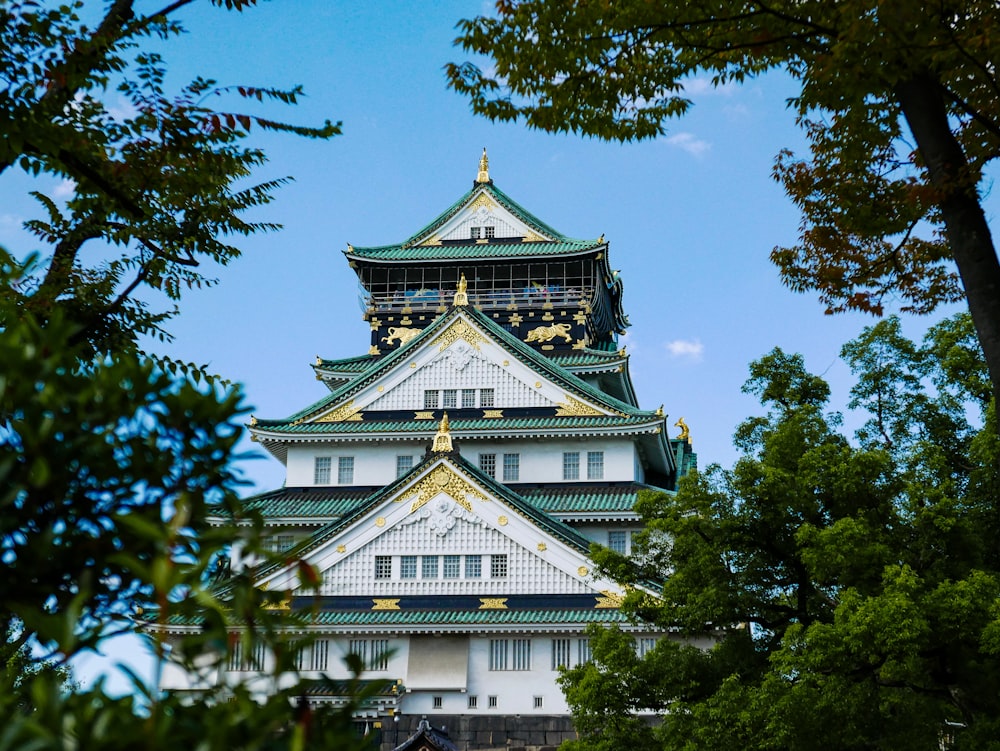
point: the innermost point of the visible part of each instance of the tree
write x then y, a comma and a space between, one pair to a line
881, 215
111, 459
823, 593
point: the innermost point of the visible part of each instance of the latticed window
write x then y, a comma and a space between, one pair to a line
520, 654
582, 651
511, 467
473, 566
485, 398
498, 566
560, 653
491, 702
408, 567
474, 232
645, 645
595, 465
383, 567
499, 654
321, 470
378, 655
489, 232
316, 656
450, 398
488, 463
452, 568
403, 465
616, 540
432, 399
473, 702
345, 470
429, 566
468, 398
539, 702
571, 465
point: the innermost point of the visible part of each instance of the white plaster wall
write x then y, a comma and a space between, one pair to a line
541, 460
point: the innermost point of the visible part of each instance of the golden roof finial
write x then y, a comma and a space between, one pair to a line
461, 296
484, 168
442, 440
685, 431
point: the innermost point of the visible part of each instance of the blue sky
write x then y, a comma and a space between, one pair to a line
691, 217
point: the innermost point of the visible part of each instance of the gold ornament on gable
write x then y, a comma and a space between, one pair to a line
443, 480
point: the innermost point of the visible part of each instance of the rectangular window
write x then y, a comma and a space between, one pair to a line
281, 543
616, 540
321, 470
379, 655
498, 566
488, 464
450, 399
491, 701
438, 702
319, 654
431, 399
403, 465
345, 470
473, 566
468, 398
485, 398
490, 232
560, 653
582, 651
383, 567
595, 465
241, 658
473, 702
235, 653
645, 645
452, 568
408, 567
511, 467
520, 654
571, 465
359, 647
538, 702
474, 232
499, 653
429, 567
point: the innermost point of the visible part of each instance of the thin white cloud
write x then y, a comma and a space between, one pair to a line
689, 143
64, 189
689, 349
702, 86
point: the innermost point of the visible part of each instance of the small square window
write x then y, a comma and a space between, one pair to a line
485, 398
491, 702
490, 232
473, 566
403, 465
538, 702
438, 702
473, 702
452, 568
511, 467
595, 465
488, 464
383, 567
450, 398
345, 470
432, 399
408, 567
321, 470
429, 567
474, 232
571, 465
498, 566
468, 398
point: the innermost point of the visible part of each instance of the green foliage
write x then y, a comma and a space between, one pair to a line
112, 462
823, 593
898, 101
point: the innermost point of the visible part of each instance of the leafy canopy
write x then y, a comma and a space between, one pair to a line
823, 593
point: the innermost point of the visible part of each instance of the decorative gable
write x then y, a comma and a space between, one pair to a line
483, 218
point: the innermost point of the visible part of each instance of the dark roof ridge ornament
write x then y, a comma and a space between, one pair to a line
483, 178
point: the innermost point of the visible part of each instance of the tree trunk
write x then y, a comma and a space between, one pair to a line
966, 229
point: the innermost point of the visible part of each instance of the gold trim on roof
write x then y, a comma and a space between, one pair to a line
484, 168
685, 434
385, 603
550, 332
459, 329
531, 237
346, 412
493, 603
575, 408
442, 441
461, 295
443, 480
609, 600
432, 241
482, 201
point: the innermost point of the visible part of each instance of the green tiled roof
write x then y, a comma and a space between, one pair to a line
474, 251
539, 362
584, 357
307, 502
570, 499
347, 364
427, 427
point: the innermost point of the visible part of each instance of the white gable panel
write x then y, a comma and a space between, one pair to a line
483, 211
450, 371
527, 571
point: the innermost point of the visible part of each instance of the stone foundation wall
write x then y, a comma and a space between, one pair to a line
486, 732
